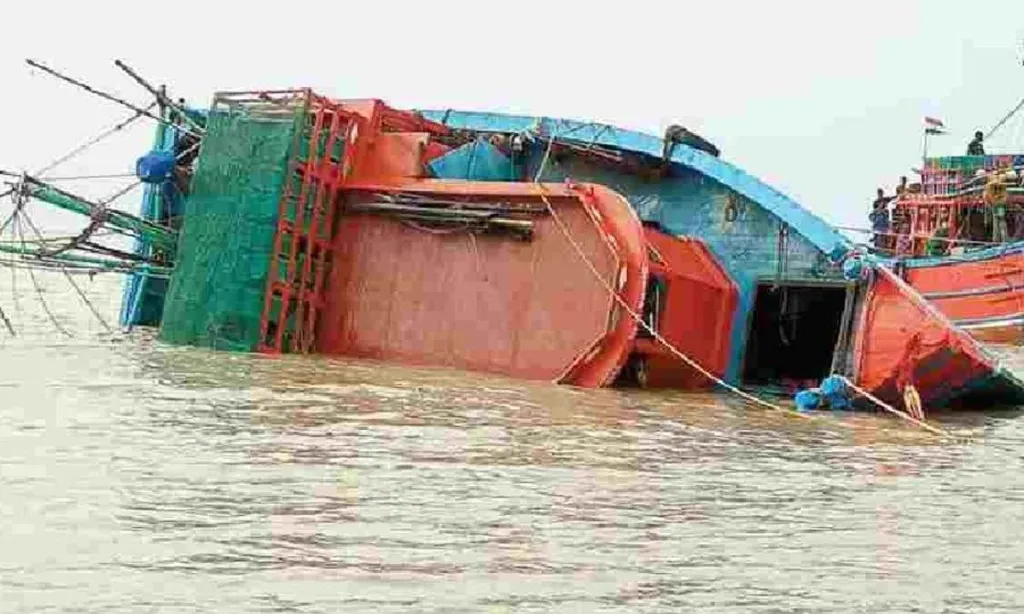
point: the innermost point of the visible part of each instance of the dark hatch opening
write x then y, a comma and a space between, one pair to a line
793, 333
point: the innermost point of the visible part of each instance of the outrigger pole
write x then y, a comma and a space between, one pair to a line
33, 258
159, 236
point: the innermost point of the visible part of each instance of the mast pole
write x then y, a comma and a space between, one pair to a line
159, 93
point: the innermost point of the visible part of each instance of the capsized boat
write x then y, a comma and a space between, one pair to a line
534, 247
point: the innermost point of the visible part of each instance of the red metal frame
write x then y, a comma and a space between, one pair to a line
300, 288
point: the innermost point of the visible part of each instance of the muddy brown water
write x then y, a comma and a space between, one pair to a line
137, 477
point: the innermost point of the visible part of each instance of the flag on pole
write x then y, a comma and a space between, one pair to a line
933, 126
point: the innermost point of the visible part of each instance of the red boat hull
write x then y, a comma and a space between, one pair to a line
901, 339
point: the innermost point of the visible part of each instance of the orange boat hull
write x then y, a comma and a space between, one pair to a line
902, 339
981, 293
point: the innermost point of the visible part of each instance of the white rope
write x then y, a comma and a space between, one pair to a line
677, 353
889, 408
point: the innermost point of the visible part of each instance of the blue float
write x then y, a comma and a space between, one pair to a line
155, 167
833, 385
808, 400
853, 268
840, 403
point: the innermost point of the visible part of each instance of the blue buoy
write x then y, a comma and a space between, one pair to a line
807, 400
155, 167
833, 385
836, 392
853, 268
839, 403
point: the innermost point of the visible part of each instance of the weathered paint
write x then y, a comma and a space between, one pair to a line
474, 161
814, 229
527, 309
739, 217
742, 235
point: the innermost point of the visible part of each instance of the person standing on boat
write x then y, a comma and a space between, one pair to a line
902, 188
879, 218
975, 147
1016, 209
995, 199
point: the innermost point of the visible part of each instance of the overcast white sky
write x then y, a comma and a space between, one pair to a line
824, 100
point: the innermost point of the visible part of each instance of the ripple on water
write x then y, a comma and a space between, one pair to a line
136, 476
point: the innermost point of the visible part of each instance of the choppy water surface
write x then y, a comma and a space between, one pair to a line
139, 477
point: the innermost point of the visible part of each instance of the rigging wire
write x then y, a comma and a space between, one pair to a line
93, 141
18, 199
7, 322
39, 291
74, 268
160, 95
14, 281
55, 239
83, 177
106, 96
74, 284
1020, 105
